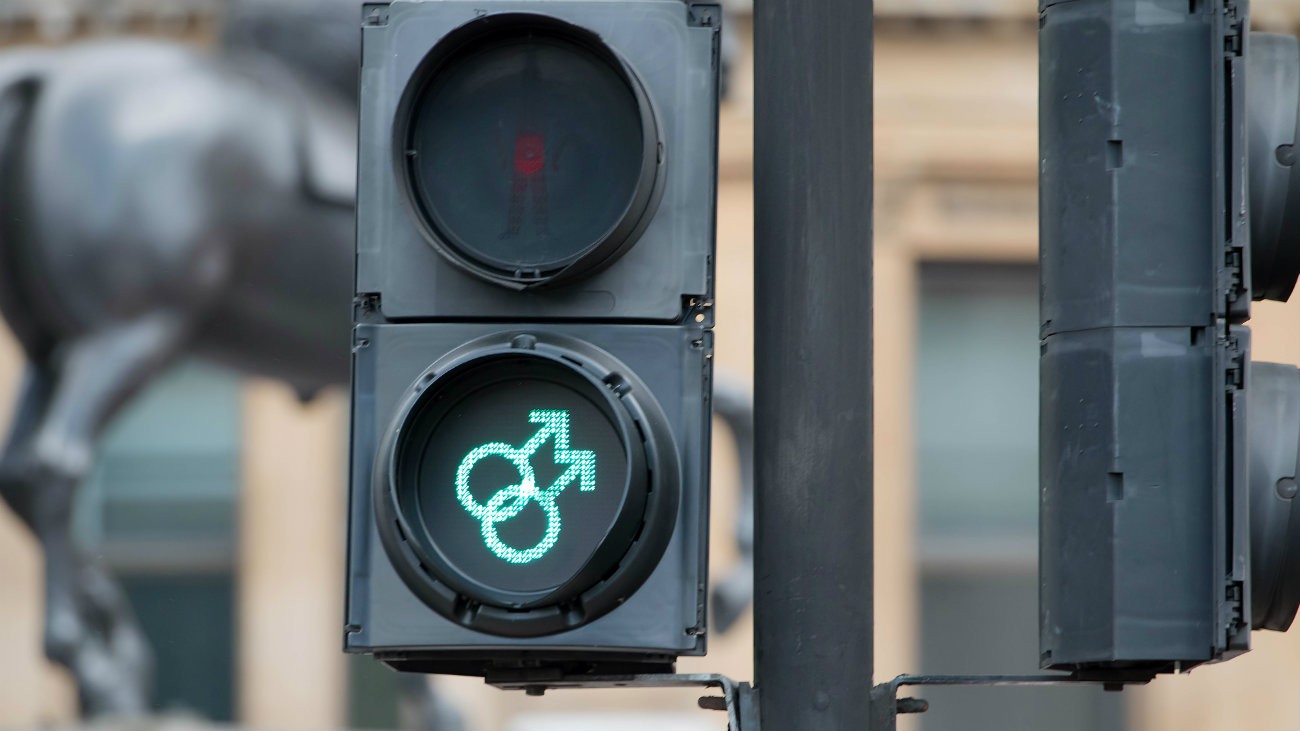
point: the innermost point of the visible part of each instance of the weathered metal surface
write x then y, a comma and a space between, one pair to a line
813, 367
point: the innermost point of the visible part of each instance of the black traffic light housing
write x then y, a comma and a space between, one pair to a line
1143, 524
1168, 461
533, 335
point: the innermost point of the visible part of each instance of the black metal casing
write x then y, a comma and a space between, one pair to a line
650, 311
1144, 551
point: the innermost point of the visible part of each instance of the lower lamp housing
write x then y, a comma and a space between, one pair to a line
522, 498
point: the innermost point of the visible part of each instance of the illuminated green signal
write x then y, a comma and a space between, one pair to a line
511, 500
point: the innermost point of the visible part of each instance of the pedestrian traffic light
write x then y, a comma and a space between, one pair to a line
1168, 462
533, 335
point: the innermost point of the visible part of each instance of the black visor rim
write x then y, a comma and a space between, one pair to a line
482, 34
427, 416
626, 556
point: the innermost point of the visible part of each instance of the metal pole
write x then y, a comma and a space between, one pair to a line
813, 187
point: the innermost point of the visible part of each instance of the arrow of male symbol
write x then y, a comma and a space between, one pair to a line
511, 500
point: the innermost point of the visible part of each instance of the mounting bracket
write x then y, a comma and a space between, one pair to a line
886, 705
739, 700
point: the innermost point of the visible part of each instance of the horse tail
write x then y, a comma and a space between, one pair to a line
22, 74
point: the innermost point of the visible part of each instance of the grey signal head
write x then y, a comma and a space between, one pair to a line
1273, 130
1274, 410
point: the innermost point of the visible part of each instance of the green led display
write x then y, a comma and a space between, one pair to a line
499, 516
511, 500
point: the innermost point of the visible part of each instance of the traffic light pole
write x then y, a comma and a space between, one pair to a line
813, 346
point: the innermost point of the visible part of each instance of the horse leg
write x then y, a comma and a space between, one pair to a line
88, 626
33, 398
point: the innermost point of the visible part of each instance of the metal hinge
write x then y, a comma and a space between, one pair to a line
700, 310
1235, 286
367, 308
1234, 36
705, 15
1235, 373
376, 15
1233, 616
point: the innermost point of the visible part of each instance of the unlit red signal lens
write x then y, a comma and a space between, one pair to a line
530, 153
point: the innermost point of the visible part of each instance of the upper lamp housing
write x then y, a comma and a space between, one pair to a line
529, 151
554, 150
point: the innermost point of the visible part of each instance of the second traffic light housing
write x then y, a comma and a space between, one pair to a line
1169, 461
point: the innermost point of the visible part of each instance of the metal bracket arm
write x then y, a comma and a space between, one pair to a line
738, 699
886, 705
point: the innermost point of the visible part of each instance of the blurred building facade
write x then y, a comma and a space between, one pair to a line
220, 501
59, 20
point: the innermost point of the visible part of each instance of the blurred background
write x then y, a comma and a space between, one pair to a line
218, 499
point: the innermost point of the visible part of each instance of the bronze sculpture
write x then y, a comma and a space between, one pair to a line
157, 201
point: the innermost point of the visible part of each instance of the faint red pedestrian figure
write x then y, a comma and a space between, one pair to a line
529, 174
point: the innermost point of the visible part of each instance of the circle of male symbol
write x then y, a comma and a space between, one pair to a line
510, 501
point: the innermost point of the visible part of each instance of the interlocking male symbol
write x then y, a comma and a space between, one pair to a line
511, 500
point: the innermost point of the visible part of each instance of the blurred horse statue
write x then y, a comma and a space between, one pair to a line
159, 202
